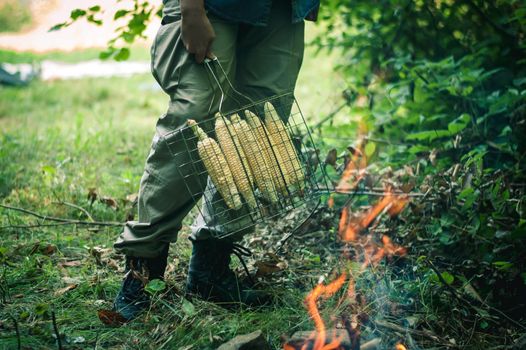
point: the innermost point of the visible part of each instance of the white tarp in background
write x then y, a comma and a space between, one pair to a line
51, 70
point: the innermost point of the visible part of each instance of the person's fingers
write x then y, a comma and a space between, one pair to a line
200, 56
209, 53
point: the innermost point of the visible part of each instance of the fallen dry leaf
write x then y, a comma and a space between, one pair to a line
110, 202
112, 264
111, 318
65, 289
131, 198
271, 265
72, 263
49, 249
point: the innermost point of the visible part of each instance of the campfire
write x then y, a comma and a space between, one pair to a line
361, 246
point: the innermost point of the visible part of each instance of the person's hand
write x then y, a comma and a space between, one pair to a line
197, 34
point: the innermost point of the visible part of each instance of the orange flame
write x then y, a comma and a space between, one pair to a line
354, 170
371, 252
323, 291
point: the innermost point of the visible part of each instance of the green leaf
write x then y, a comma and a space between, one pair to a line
370, 148
122, 55
120, 13
77, 13
41, 309
58, 26
93, 20
107, 54
503, 265
95, 8
459, 124
128, 37
155, 286
429, 135
48, 169
315, 259
469, 196
519, 81
446, 276
188, 308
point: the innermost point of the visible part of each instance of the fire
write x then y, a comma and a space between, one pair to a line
355, 230
354, 170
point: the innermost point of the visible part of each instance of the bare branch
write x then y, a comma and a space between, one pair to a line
63, 220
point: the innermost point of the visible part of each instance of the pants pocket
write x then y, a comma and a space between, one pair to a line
166, 54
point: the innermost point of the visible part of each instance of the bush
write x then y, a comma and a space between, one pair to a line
446, 82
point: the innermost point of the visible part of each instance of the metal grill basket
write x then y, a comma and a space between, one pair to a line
279, 167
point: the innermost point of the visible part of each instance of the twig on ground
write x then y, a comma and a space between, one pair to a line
35, 225
17, 330
55, 328
403, 330
374, 193
65, 221
76, 207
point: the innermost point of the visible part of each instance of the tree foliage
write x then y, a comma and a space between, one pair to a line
135, 20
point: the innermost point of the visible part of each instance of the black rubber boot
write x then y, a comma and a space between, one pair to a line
132, 299
210, 276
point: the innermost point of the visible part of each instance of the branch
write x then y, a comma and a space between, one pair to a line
397, 328
17, 330
35, 225
330, 115
55, 328
62, 220
372, 193
76, 207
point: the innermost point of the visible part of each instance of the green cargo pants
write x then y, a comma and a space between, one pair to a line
260, 61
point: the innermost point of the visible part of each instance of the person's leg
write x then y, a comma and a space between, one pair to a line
268, 62
170, 185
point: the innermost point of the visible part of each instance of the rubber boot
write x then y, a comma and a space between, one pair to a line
132, 298
210, 277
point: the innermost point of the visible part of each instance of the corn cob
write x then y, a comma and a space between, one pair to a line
262, 136
258, 166
217, 167
236, 159
283, 147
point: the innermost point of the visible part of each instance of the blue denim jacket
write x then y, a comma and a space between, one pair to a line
255, 12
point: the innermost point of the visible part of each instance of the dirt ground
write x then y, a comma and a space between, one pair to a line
78, 36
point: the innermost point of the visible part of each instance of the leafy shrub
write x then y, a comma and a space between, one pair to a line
446, 81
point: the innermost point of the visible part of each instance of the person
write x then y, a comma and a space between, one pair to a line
259, 45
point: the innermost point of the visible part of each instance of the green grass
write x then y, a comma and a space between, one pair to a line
55, 147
